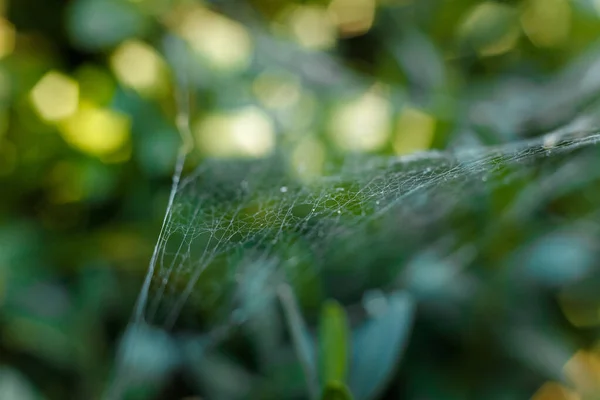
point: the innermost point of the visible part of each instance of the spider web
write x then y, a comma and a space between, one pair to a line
235, 229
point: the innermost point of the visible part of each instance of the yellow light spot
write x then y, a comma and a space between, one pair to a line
362, 124
353, 17
246, 133
96, 131
55, 96
547, 23
415, 131
490, 28
308, 158
224, 43
583, 370
313, 27
554, 391
277, 91
7, 38
138, 66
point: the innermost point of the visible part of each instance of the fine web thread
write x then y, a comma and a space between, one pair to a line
182, 122
174, 51
263, 212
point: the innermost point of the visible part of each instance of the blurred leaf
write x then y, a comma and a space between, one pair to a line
558, 259
100, 24
379, 343
216, 372
145, 359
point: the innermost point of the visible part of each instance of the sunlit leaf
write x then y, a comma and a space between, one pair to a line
333, 343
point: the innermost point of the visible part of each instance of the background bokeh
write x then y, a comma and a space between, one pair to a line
88, 141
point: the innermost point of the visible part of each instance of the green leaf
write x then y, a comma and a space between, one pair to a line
300, 337
336, 391
333, 343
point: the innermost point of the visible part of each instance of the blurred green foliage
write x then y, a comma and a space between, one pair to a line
88, 146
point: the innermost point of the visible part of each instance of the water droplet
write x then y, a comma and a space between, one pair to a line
340, 189
377, 202
283, 189
339, 212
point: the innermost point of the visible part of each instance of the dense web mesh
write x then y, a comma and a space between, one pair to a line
235, 229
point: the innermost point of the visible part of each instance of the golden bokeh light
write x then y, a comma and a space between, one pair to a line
99, 132
583, 371
547, 23
414, 132
244, 133
55, 97
224, 43
139, 66
312, 27
353, 17
362, 124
